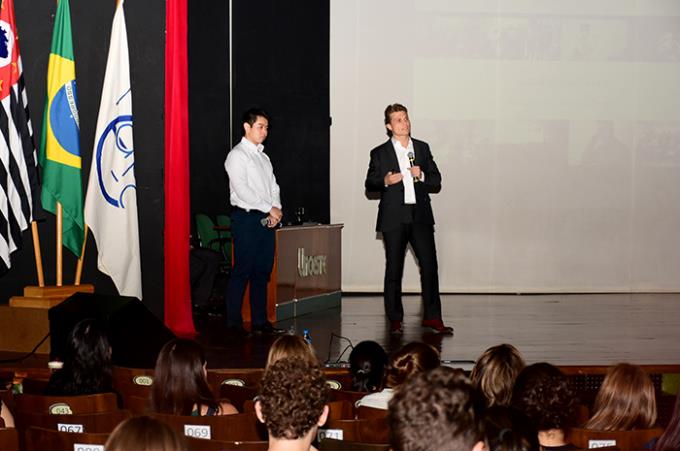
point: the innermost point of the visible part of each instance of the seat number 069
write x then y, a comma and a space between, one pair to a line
197, 431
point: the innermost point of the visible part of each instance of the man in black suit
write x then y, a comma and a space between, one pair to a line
403, 171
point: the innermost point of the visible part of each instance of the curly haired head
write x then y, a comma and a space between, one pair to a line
435, 410
495, 372
291, 346
412, 358
292, 398
625, 401
543, 393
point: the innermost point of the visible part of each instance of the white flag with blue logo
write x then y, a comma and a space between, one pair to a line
111, 201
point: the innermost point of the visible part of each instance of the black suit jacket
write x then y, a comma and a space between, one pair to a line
390, 210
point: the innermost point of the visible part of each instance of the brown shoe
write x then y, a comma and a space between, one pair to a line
396, 328
437, 326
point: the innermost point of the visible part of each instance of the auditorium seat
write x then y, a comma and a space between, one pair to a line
346, 395
102, 402
9, 439
244, 377
138, 405
330, 444
134, 386
238, 427
34, 386
40, 439
248, 406
338, 378
85, 422
237, 395
370, 412
197, 444
624, 440
132, 381
340, 410
371, 430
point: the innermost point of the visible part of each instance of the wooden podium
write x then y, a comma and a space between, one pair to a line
306, 276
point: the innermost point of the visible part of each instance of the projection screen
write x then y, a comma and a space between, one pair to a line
556, 127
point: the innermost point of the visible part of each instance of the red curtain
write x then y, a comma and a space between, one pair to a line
177, 286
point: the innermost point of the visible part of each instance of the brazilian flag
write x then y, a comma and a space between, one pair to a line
60, 138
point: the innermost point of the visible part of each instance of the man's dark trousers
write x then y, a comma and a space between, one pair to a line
253, 261
421, 238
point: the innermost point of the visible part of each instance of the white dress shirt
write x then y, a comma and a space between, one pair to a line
252, 184
404, 165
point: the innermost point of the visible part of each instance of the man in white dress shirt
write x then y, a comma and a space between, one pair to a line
256, 212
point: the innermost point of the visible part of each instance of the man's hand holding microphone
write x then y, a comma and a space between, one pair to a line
273, 219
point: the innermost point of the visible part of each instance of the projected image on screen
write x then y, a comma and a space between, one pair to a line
556, 127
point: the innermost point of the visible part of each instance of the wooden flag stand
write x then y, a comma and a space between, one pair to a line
46, 297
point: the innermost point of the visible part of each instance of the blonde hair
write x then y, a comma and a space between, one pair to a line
291, 346
495, 372
626, 401
144, 434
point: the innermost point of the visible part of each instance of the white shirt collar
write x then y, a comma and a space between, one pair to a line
396, 143
250, 145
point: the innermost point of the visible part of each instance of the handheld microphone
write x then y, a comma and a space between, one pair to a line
265, 223
411, 160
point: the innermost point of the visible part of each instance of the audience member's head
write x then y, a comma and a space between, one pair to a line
495, 372
543, 393
412, 358
144, 434
626, 400
670, 439
436, 410
508, 429
292, 400
180, 383
367, 364
87, 362
291, 346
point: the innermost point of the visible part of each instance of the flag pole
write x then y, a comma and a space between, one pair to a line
79, 268
59, 244
38, 254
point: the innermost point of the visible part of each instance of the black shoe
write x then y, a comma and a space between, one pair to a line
266, 328
236, 332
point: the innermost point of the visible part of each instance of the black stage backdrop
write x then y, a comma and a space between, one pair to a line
208, 105
280, 62
91, 26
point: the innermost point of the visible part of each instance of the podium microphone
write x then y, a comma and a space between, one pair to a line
411, 160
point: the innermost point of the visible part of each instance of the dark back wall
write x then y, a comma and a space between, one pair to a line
208, 105
280, 62
91, 26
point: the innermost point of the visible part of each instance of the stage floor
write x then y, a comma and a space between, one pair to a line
563, 329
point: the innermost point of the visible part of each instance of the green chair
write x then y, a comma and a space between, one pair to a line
209, 238
225, 221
